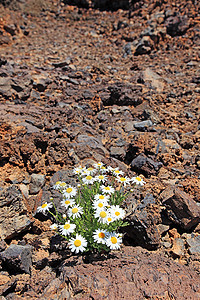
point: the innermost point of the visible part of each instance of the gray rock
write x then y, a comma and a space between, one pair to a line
17, 258
13, 213
194, 243
129, 126
117, 152
5, 86
85, 144
143, 125
37, 182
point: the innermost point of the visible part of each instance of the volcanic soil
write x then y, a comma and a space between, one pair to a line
88, 81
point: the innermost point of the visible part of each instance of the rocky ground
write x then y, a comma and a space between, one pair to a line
80, 84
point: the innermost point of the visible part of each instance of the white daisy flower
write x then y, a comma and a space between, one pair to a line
88, 179
117, 212
54, 226
44, 208
91, 171
101, 215
103, 170
100, 236
85, 172
69, 192
78, 244
78, 170
67, 228
100, 204
101, 197
60, 185
123, 180
64, 216
138, 180
56, 185
109, 219
110, 169
98, 165
75, 211
114, 240
117, 172
67, 202
100, 178
107, 189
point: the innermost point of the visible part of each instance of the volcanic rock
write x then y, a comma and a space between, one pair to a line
17, 258
143, 229
134, 266
181, 208
13, 213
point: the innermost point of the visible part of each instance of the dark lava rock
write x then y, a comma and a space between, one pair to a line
145, 165
181, 208
144, 219
145, 46
17, 258
177, 25
122, 94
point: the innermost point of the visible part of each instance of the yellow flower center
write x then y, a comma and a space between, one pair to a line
58, 182
109, 219
90, 169
101, 177
101, 197
67, 202
100, 205
69, 190
74, 210
117, 171
44, 205
88, 177
138, 179
113, 240
66, 226
62, 184
107, 188
77, 243
117, 213
103, 214
101, 235
103, 168
122, 179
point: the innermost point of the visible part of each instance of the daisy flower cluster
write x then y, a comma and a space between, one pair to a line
92, 210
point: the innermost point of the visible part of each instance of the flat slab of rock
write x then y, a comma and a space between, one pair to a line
133, 273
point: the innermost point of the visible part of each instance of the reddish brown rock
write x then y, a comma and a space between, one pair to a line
181, 208
131, 274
